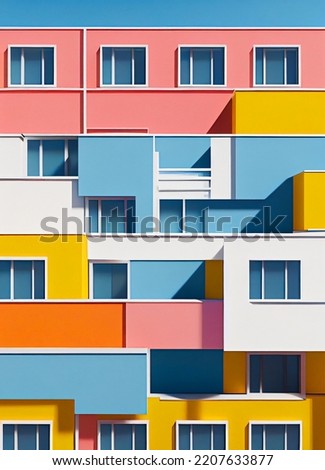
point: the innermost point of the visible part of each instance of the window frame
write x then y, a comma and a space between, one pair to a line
21, 422
201, 46
100, 199
266, 423
27, 258
35, 46
198, 422
274, 395
91, 278
127, 85
114, 422
263, 298
277, 46
40, 156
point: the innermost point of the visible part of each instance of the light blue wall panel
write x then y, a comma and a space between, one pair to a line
99, 383
183, 152
263, 164
118, 166
167, 280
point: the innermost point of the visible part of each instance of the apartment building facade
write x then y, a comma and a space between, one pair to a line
162, 238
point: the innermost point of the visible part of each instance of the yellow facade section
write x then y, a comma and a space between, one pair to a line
66, 265
163, 414
214, 279
234, 372
309, 200
279, 112
315, 372
60, 413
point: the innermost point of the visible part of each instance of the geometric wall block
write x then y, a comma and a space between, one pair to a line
61, 325
66, 261
278, 112
315, 372
309, 200
183, 152
169, 325
234, 372
99, 383
186, 371
167, 280
214, 279
118, 167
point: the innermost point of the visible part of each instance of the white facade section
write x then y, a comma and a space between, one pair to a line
40, 206
12, 157
137, 247
274, 325
184, 183
221, 168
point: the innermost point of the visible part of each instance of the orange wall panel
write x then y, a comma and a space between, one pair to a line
75, 325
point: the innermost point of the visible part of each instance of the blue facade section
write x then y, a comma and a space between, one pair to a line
118, 167
167, 280
265, 164
178, 371
99, 383
183, 152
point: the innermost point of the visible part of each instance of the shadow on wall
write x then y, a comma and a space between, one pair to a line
194, 286
276, 213
223, 123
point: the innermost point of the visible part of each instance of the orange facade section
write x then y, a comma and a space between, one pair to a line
62, 325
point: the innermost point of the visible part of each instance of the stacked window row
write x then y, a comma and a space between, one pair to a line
193, 435
128, 66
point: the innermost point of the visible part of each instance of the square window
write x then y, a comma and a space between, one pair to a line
276, 66
107, 215
20, 279
26, 436
123, 65
122, 436
31, 65
196, 435
202, 65
274, 280
52, 157
109, 281
277, 436
274, 373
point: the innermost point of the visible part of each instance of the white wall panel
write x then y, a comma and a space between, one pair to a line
24, 204
268, 325
154, 248
12, 157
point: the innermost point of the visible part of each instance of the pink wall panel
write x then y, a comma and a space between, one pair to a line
163, 48
173, 112
68, 52
168, 325
40, 112
87, 432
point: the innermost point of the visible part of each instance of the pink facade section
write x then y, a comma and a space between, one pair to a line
68, 51
87, 431
163, 48
158, 325
41, 112
172, 112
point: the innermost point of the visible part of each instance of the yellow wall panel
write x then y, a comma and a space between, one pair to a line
234, 375
298, 202
214, 279
279, 112
67, 263
59, 412
315, 372
163, 414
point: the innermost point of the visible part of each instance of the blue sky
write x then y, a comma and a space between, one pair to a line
162, 13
